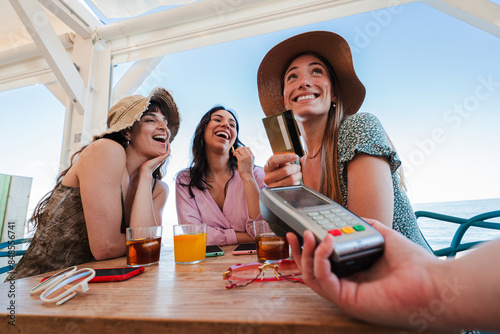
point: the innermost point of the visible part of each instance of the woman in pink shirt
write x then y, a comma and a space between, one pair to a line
221, 188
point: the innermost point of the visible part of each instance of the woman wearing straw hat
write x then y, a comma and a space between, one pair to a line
114, 184
221, 188
349, 157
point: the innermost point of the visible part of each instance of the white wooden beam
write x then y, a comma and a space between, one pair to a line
99, 93
68, 16
188, 13
24, 74
72, 135
30, 50
83, 12
174, 30
134, 78
58, 92
36, 22
482, 14
95, 68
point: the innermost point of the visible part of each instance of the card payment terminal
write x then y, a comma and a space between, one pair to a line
300, 208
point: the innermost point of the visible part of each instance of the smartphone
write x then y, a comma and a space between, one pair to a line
214, 250
249, 248
113, 274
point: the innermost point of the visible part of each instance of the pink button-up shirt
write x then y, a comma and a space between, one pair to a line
221, 225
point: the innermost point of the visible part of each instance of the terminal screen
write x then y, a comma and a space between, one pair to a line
299, 198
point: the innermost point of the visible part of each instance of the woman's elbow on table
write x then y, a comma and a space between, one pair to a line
108, 251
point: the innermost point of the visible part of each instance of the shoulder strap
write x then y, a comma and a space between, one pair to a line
123, 225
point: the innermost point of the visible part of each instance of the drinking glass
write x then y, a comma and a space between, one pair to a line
270, 247
143, 245
190, 242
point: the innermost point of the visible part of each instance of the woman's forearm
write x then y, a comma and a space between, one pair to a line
143, 213
252, 195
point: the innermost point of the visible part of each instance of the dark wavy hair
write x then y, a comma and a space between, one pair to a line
199, 163
115, 136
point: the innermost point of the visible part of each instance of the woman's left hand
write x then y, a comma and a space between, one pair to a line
245, 159
150, 166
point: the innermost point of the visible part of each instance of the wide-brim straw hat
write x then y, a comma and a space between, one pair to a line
327, 44
128, 110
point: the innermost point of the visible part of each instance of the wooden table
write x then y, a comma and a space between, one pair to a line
170, 298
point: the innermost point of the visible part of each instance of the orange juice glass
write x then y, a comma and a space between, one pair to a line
190, 242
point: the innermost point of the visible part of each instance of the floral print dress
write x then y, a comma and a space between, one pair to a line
363, 133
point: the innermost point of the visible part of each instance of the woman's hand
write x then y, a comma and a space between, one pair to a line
280, 171
150, 166
246, 160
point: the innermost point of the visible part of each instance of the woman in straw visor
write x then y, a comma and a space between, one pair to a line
115, 183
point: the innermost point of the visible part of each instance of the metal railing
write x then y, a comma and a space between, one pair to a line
456, 244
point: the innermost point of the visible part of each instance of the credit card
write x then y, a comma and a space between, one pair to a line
283, 133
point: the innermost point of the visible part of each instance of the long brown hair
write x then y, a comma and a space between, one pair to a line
118, 137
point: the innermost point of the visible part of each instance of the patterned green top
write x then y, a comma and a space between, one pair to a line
363, 133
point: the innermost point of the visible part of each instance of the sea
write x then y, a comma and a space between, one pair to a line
439, 234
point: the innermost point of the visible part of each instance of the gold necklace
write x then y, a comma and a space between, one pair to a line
314, 155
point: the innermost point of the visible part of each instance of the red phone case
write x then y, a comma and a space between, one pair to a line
115, 274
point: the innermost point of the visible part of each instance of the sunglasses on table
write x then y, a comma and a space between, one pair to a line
61, 287
240, 275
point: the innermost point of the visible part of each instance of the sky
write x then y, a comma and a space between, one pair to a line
432, 80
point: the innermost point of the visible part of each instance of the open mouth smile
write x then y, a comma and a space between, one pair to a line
161, 139
305, 97
222, 134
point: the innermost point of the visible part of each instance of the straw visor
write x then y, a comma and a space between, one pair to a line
330, 46
130, 109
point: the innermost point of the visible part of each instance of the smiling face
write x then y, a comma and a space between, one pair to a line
150, 134
307, 87
221, 131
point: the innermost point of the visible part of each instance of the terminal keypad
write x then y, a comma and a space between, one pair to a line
336, 221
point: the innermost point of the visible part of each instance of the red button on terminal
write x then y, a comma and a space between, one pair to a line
335, 232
